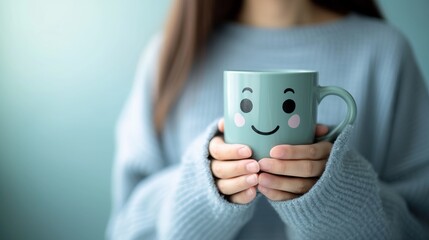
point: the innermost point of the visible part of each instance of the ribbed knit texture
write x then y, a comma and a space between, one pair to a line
376, 181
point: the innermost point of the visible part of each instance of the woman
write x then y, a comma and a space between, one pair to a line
175, 178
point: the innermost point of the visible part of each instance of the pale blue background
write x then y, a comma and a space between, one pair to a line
66, 67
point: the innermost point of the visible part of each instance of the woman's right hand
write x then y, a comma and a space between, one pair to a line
236, 174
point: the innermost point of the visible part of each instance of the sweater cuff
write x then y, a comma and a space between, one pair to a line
198, 210
344, 201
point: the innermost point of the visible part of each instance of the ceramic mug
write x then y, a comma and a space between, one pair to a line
263, 109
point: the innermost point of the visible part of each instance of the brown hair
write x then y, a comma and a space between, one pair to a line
188, 28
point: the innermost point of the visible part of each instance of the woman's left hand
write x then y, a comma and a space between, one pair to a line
292, 170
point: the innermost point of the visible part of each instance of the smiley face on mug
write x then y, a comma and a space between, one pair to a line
287, 107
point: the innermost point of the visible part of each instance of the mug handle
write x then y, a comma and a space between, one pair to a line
351, 110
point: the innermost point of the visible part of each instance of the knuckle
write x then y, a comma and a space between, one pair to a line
237, 168
249, 180
291, 151
262, 176
231, 151
312, 151
283, 166
243, 181
308, 169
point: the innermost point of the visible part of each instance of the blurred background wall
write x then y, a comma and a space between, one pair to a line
66, 67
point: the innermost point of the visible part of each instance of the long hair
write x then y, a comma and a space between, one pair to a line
188, 27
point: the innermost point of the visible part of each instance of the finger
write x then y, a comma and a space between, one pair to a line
221, 125
287, 184
321, 130
316, 151
230, 169
238, 184
276, 195
221, 151
295, 168
243, 197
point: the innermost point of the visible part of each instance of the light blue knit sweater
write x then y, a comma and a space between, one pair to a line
376, 182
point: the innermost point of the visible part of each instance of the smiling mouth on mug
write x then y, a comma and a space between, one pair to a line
265, 133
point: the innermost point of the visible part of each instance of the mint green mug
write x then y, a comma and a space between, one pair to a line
263, 109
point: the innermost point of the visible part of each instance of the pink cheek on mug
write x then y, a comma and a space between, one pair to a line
239, 120
294, 121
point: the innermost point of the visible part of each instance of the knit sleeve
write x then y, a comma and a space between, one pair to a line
154, 201
194, 208
351, 200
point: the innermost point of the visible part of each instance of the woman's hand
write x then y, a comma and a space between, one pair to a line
292, 170
236, 174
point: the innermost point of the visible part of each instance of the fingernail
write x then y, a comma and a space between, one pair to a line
244, 152
252, 179
252, 167
265, 164
277, 153
262, 189
264, 181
